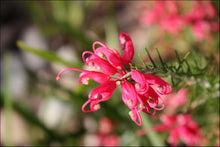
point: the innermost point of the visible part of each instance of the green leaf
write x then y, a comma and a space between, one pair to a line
153, 136
189, 69
169, 70
142, 61
186, 56
47, 55
161, 60
152, 61
7, 102
177, 56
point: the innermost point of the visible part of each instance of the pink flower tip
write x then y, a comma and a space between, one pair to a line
58, 77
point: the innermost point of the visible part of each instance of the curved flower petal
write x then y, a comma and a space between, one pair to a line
96, 76
161, 127
129, 95
111, 55
155, 80
94, 106
153, 99
135, 116
141, 86
102, 92
95, 60
99, 94
169, 120
126, 45
173, 138
145, 106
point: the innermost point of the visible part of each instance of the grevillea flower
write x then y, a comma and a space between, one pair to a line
126, 45
163, 87
99, 94
137, 88
201, 17
176, 100
165, 14
141, 85
181, 127
99, 63
113, 56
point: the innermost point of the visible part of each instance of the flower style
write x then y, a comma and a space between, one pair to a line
137, 88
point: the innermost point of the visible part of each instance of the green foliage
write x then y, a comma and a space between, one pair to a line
194, 72
47, 55
179, 71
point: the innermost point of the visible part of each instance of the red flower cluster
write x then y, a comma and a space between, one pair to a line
164, 13
201, 17
136, 86
181, 127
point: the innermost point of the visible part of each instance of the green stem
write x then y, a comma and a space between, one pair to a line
153, 136
7, 102
183, 76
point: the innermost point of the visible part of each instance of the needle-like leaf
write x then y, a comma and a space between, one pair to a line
152, 61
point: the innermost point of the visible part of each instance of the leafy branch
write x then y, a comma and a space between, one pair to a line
184, 69
194, 71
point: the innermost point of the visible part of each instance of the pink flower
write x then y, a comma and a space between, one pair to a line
176, 100
99, 94
105, 125
112, 55
111, 63
145, 107
201, 11
141, 84
129, 95
164, 13
143, 94
105, 136
162, 87
135, 116
150, 17
153, 99
172, 23
99, 63
201, 17
126, 45
109, 140
181, 127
